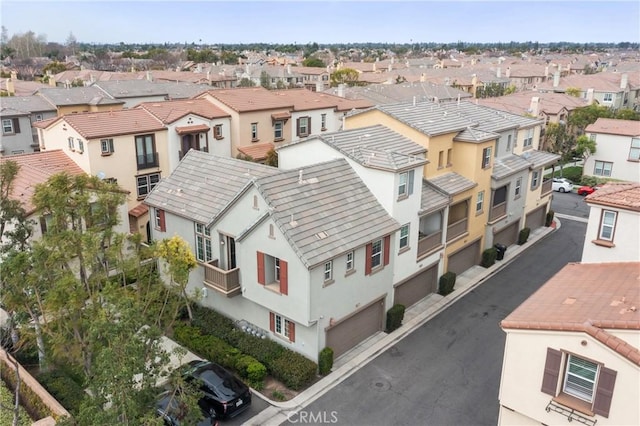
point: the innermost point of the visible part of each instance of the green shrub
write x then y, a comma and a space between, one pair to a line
278, 396
63, 388
549, 220
294, 370
264, 350
489, 257
395, 315
446, 283
523, 236
28, 398
256, 373
325, 361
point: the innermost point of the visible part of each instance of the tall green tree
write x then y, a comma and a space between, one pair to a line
348, 76
580, 118
15, 227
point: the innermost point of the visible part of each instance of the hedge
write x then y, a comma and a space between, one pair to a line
395, 315
64, 388
446, 283
489, 257
325, 361
523, 236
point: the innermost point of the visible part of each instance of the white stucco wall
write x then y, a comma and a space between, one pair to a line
625, 238
613, 149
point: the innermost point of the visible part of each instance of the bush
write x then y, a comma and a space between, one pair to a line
573, 173
446, 283
325, 361
549, 220
31, 402
395, 315
256, 373
294, 370
523, 236
489, 257
63, 388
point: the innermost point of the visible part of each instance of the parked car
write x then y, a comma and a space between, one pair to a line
169, 409
226, 394
562, 185
586, 189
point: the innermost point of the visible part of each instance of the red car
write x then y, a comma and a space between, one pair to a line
586, 190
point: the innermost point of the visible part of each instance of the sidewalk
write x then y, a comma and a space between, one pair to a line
414, 317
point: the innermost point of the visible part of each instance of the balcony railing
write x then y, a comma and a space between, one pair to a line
498, 211
426, 243
456, 229
546, 186
225, 282
148, 161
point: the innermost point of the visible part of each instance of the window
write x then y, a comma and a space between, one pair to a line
273, 272
146, 183
441, 159
159, 220
449, 157
608, 97
70, 143
277, 130
350, 257
376, 254
602, 168
328, 271
486, 157
535, 179
217, 131
323, 122
10, 126
518, 187
304, 126
479, 202
607, 225
106, 146
404, 236
593, 137
509, 143
282, 326
45, 223
80, 146
528, 140
254, 132
580, 378
634, 152
405, 185
203, 243
276, 270
146, 152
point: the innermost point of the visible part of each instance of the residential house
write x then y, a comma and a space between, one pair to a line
134, 92
129, 147
379, 94
617, 153
75, 100
192, 124
578, 339
302, 256
25, 110
614, 224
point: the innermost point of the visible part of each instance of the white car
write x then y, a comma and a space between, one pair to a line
562, 185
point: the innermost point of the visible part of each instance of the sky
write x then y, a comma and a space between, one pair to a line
338, 21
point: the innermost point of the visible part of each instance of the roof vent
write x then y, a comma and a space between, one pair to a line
569, 301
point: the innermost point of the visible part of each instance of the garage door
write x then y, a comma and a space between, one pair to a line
353, 329
507, 236
464, 258
417, 287
536, 218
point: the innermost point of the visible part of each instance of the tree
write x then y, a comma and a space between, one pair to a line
272, 158
312, 61
573, 91
585, 146
246, 82
11, 211
265, 80
72, 43
580, 118
627, 114
55, 67
348, 76
179, 261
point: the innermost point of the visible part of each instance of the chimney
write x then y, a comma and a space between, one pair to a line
288, 68
423, 78
11, 88
499, 72
246, 69
341, 90
14, 75
546, 71
535, 106
149, 76
508, 72
52, 81
373, 66
199, 68
414, 101
590, 93
390, 67
556, 79
624, 81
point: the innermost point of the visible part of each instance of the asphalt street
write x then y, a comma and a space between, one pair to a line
570, 204
447, 372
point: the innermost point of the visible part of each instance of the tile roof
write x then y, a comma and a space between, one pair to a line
452, 183
549, 103
432, 199
145, 88
540, 158
490, 119
612, 126
305, 100
589, 298
187, 191
12, 112
475, 135
246, 99
508, 165
621, 195
36, 168
93, 125
77, 96
381, 94
325, 210
257, 151
27, 103
427, 117
170, 111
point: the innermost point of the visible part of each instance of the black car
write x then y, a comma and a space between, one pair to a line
226, 394
169, 409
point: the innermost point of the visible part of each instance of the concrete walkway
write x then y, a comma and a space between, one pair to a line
414, 317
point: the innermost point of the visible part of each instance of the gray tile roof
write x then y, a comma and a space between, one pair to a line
432, 199
540, 158
203, 184
381, 94
508, 165
141, 88
11, 112
489, 119
475, 135
427, 117
332, 210
28, 104
77, 96
452, 183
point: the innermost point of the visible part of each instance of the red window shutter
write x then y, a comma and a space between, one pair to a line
604, 391
272, 322
387, 249
292, 331
284, 277
551, 372
163, 226
260, 268
367, 259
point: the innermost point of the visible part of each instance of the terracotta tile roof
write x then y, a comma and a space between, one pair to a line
612, 126
520, 103
95, 125
36, 168
43, 124
191, 129
305, 100
250, 99
589, 298
139, 210
622, 195
257, 151
170, 111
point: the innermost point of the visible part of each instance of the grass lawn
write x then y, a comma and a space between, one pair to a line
6, 415
573, 173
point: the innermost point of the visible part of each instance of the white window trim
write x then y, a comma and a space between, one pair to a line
328, 271
376, 254
609, 226
480, 202
7, 130
281, 326
350, 261
203, 237
573, 389
405, 237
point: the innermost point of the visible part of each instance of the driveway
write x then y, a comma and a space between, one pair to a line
570, 204
447, 372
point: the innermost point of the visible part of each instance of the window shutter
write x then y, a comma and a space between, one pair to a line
551, 372
292, 331
16, 125
604, 391
387, 249
284, 275
163, 226
411, 173
272, 322
309, 126
298, 127
111, 146
367, 259
260, 268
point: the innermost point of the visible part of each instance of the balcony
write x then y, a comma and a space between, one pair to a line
426, 243
456, 229
147, 161
498, 211
546, 187
225, 282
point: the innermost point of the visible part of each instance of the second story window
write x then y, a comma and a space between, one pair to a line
528, 141
106, 146
323, 122
71, 143
607, 225
405, 184
634, 152
449, 157
602, 168
217, 131
441, 159
203, 243
146, 183
278, 130
10, 126
535, 179
486, 157
146, 152
479, 202
509, 143
254, 132
376, 254
80, 146
518, 187
608, 97
304, 126
349, 264
404, 236
328, 271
